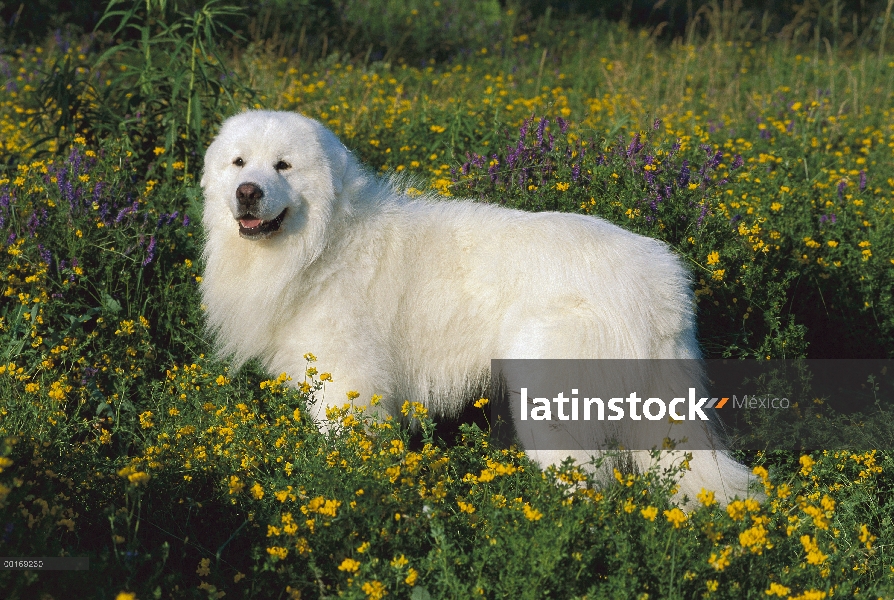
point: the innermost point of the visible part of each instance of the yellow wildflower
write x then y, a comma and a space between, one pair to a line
257, 491
676, 517
807, 463
374, 589
706, 497
350, 565
204, 568
721, 561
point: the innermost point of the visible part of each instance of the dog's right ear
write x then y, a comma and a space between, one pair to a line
340, 165
210, 154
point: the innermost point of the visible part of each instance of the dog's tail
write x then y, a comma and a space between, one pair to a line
715, 471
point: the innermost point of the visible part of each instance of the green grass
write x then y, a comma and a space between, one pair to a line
126, 442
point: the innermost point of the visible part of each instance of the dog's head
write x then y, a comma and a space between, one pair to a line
268, 173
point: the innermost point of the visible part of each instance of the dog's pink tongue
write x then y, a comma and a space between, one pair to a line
250, 223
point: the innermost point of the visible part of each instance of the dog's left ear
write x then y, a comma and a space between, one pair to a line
339, 159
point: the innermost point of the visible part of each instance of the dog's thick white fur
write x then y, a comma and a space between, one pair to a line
411, 297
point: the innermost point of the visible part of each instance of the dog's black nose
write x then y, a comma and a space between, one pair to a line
248, 195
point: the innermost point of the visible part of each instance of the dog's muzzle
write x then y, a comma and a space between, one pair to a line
252, 227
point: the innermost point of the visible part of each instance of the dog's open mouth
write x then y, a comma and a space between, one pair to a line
252, 227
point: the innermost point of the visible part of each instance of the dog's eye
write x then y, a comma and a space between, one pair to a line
239, 162
282, 166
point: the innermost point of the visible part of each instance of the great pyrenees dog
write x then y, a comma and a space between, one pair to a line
411, 297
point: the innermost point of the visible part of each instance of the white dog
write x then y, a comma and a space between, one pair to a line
411, 298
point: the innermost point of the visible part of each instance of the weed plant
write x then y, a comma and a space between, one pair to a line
149, 89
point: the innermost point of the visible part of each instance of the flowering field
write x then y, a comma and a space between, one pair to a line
769, 171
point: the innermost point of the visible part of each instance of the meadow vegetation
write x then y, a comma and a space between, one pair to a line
764, 161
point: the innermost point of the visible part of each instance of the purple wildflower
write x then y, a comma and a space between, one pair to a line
150, 252
862, 180
185, 221
34, 221
88, 372
124, 212
634, 146
738, 161
842, 185
563, 124
523, 130
656, 125
45, 255
97, 191
61, 176
75, 159
703, 214
541, 128
683, 177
